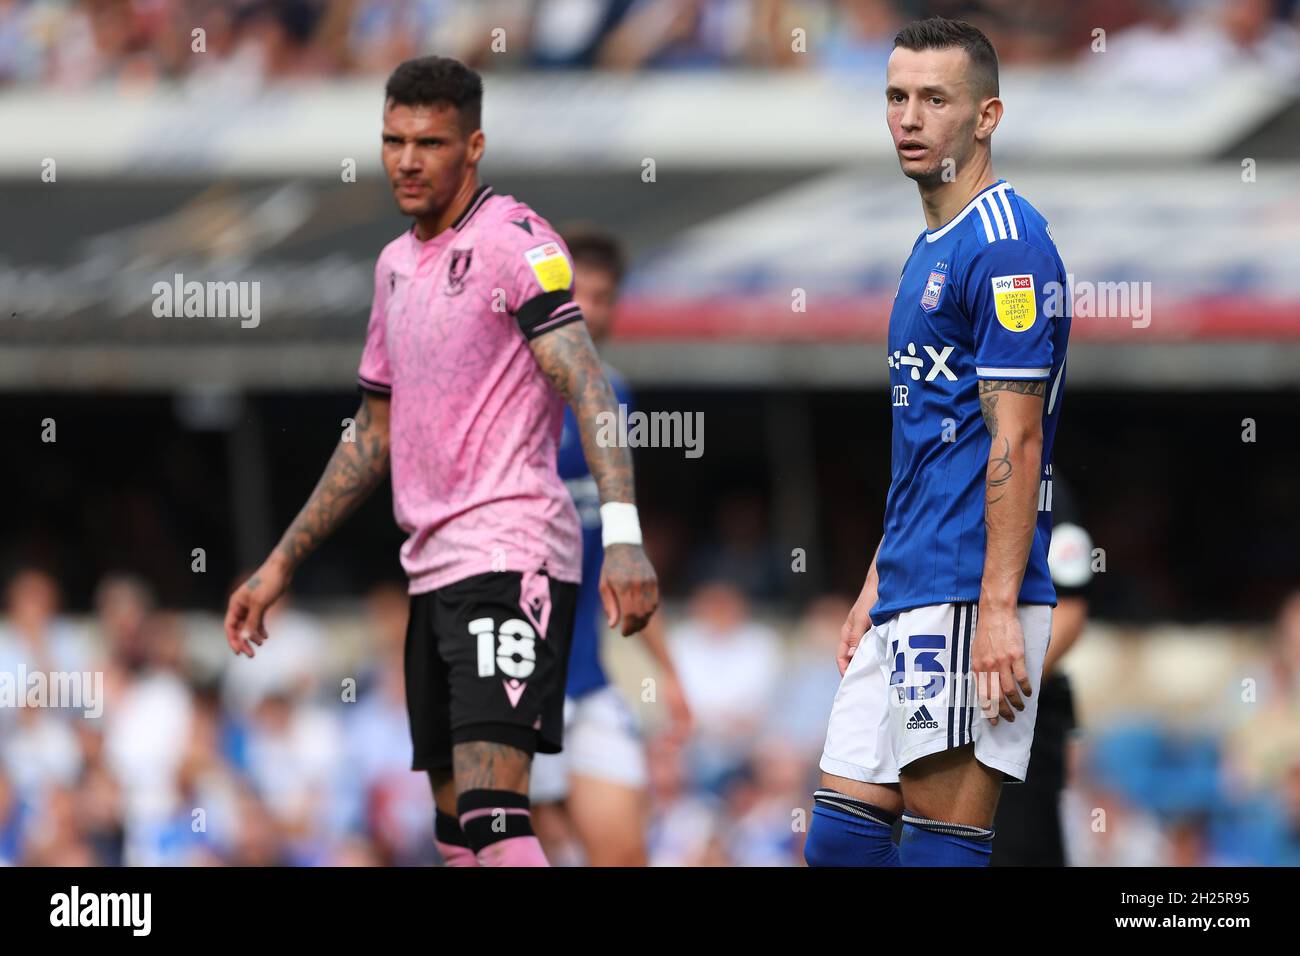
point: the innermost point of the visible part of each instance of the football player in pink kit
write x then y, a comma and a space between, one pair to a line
474, 344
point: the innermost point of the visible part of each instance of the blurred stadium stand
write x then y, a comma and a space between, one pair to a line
772, 172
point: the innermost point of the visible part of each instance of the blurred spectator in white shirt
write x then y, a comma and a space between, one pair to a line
683, 823
294, 755
856, 38
769, 816
294, 658
1265, 740
34, 636
803, 707
728, 665
383, 33
38, 742
1170, 51
690, 34
147, 717
1102, 829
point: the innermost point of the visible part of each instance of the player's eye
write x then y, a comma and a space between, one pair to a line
936, 101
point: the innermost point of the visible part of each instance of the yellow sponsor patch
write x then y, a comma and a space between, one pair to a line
551, 266
1013, 300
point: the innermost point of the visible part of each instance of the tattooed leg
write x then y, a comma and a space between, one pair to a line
481, 765
492, 801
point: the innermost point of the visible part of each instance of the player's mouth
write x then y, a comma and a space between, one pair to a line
410, 188
911, 149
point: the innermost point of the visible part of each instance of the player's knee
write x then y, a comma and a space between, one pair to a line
619, 851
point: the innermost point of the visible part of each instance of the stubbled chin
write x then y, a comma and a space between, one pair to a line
414, 207
921, 174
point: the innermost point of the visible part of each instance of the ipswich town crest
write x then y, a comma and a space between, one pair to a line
933, 289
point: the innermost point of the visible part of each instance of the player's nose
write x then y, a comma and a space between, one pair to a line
409, 158
911, 117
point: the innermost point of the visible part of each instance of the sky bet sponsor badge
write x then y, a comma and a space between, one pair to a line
933, 289
1013, 300
551, 266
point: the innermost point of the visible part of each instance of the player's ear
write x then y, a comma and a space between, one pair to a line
990, 114
476, 144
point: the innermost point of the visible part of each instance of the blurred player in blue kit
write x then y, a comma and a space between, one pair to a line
591, 799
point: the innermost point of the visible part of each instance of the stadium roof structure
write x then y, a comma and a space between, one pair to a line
550, 122
1190, 258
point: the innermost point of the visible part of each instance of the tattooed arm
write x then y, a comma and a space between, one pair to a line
354, 470
628, 586
1013, 414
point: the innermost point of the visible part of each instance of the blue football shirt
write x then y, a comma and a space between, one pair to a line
970, 306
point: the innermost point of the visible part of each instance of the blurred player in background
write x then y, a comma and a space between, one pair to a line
474, 342
957, 603
595, 791
1028, 820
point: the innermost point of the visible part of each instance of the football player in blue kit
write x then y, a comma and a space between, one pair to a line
942, 653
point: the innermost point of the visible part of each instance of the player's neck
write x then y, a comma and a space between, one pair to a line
943, 200
436, 223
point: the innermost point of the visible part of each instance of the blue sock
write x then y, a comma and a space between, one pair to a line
849, 832
933, 843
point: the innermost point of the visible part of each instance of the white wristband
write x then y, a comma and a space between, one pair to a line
619, 524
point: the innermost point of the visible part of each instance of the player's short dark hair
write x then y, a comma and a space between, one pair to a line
940, 33
596, 248
434, 80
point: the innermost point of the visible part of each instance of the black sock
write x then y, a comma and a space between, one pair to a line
446, 829
490, 816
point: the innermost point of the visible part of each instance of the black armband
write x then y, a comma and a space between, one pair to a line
375, 388
547, 311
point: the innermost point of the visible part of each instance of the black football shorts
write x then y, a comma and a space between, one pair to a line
486, 659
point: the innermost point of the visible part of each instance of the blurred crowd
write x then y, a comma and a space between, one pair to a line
184, 755
74, 44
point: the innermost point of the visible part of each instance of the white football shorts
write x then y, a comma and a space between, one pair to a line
601, 740
909, 693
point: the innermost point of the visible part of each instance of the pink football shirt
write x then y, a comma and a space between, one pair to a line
474, 422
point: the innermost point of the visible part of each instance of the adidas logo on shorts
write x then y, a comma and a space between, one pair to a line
922, 720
